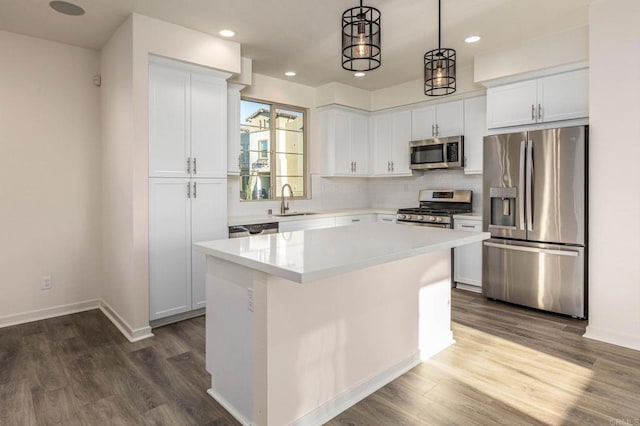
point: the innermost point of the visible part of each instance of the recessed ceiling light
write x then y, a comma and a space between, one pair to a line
290, 73
66, 8
472, 39
227, 33
359, 74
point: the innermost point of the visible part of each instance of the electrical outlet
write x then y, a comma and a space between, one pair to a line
46, 282
250, 299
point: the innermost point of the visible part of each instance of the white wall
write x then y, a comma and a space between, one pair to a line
567, 47
49, 169
614, 288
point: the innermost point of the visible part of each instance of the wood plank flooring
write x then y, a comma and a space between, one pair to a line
510, 366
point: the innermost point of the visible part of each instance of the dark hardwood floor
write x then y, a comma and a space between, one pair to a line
510, 366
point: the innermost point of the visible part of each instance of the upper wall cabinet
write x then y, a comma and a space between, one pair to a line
344, 131
556, 97
187, 123
233, 129
391, 134
475, 128
441, 120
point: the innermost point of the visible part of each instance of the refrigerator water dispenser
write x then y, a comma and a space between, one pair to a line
503, 207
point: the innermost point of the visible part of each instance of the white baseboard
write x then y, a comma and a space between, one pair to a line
54, 311
613, 337
133, 335
229, 407
356, 393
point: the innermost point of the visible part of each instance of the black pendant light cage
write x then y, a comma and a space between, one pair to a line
439, 68
361, 48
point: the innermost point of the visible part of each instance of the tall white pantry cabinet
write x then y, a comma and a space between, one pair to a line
187, 181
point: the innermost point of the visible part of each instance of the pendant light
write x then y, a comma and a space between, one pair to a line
439, 68
361, 38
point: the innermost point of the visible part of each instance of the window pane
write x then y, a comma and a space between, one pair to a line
289, 164
297, 184
256, 186
288, 141
289, 120
255, 116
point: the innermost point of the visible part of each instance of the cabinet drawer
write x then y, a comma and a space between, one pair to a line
350, 220
468, 225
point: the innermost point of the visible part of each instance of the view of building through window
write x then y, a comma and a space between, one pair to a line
271, 155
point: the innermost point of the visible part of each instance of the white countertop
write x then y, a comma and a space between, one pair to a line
304, 256
253, 219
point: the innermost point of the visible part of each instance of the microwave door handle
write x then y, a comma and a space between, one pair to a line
521, 185
530, 172
445, 154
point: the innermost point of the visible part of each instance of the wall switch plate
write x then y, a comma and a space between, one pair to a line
250, 299
46, 282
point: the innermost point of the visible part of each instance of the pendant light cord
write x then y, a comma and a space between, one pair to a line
439, 26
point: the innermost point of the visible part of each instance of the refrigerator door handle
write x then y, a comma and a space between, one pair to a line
570, 253
529, 179
521, 186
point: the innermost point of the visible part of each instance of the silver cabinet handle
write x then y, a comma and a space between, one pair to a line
355, 220
239, 155
195, 166
388, 166
529, 195
392, 166
539, 112
520, 193
468, 226
352, 167
188, 189
433, 130
570, 253
188, 165
195, 189
533, 112
437, 129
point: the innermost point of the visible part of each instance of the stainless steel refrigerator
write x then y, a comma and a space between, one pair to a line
534, 190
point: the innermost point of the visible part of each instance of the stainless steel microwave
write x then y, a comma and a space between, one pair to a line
439, 153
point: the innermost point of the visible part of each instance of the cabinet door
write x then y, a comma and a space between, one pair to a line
233, 129
512, 104
400, 143
341, 140
450, 119
468, 258
302, 225
169, 131
564, 96
359, 143
382, 142
208, 222
423, 123
208, 126
475, 128
169, 247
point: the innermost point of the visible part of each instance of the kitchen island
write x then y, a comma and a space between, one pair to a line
302, 325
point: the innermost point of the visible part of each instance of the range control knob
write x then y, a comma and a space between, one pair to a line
401, 216
431, 218
439, 219
419, 217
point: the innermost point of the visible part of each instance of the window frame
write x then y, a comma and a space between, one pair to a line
272, 152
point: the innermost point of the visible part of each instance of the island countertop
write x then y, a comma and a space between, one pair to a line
304, 256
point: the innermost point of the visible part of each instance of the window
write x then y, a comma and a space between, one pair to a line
272, 155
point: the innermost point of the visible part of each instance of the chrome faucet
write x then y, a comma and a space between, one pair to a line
283, 207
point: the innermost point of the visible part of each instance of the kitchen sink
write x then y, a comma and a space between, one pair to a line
293, 214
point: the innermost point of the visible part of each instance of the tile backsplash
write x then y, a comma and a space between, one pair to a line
353, 193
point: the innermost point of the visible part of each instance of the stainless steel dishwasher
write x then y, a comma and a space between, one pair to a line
240, 231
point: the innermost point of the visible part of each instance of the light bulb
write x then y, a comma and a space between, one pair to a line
439, 80
362, 45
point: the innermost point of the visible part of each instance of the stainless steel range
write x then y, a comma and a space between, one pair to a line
437, 208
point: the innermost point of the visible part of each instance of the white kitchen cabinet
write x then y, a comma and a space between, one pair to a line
344, 131
354, 219
440, 120
391, 134
187, 122
468, 259
304, 224
181, 212
557, 97
233, 128
475, 128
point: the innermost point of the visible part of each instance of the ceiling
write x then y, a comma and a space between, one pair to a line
304, 35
